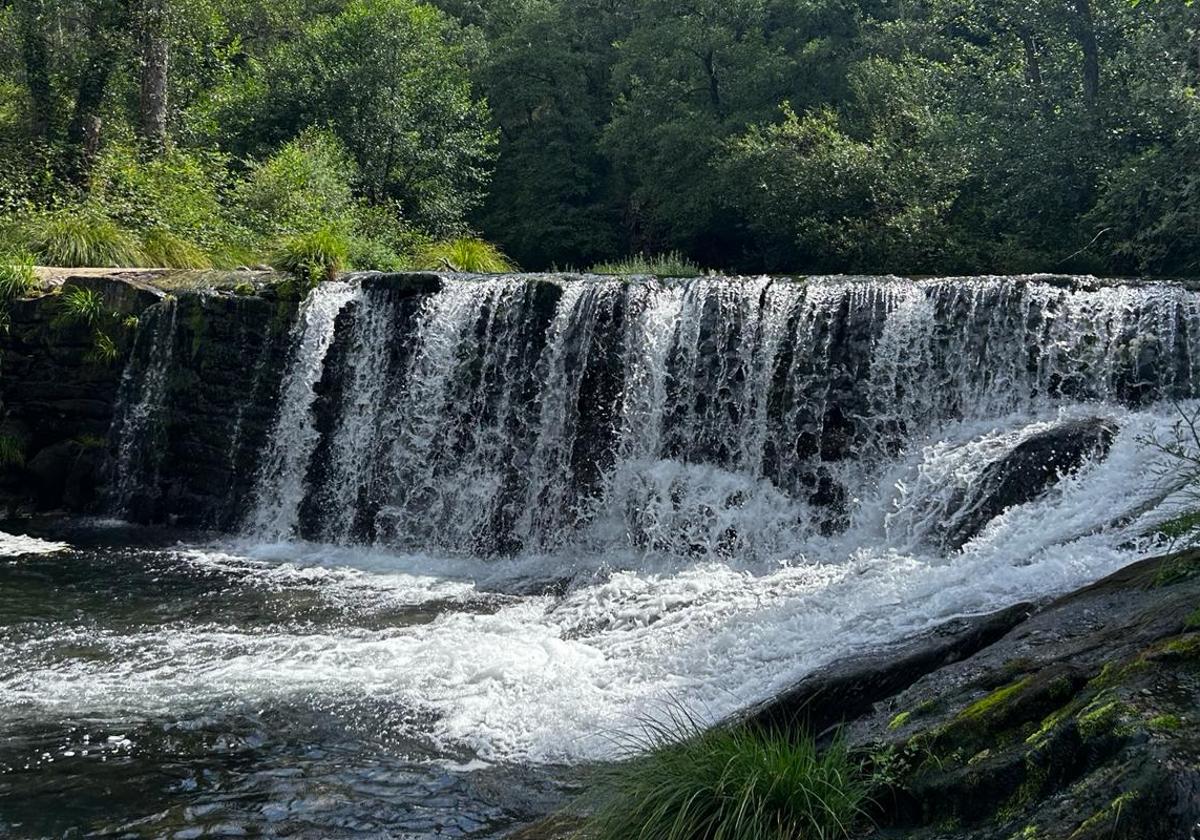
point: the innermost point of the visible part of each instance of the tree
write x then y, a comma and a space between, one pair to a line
390, 79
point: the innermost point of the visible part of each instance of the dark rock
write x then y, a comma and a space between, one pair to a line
65, 475
851, 688
1027, 471
403, 282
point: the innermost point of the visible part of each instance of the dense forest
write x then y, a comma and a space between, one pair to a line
905, 136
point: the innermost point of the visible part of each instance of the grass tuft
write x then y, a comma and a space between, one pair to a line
744, 783
464, 254
670, 264
78, 305
12, 451
316, 255
79, 238
163, 249
17, 277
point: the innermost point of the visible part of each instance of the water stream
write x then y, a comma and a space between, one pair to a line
499, 524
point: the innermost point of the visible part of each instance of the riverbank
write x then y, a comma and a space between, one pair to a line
1077, 718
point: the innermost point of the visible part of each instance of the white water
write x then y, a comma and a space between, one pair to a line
665, 510
555, 677
280, 487
143, 392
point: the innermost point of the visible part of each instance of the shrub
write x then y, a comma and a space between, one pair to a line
17, 277
743, 783
316, 255
306, 183
671, 264
80, 237
164, 249
463, 254
179, 190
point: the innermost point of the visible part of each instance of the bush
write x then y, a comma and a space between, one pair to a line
671, 264
81, 237
463, 254
17, 277
316, 255
163, 249
179, 191
728, 784
306, 183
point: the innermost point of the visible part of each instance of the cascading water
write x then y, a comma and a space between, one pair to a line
505, 427
141, 405
523, 512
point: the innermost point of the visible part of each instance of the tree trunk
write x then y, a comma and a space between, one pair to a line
155, 61
35, 53
1086, 33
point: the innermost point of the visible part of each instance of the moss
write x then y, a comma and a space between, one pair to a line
1175, 569
1184, 647
196, 324
1099, 721
1107, 818
1052, 721
1192, 622
1165, 723
926, 708
244, 289
994, 701
899, 720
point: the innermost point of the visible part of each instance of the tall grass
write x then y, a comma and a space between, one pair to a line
464, 254
670, 264
78, 305
163, 249
81, 238
741, 783
17, 277
319, 254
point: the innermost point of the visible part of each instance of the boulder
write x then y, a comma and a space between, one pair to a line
1026, 472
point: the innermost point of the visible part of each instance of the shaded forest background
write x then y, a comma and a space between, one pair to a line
904, 136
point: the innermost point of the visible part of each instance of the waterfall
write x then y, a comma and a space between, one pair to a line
281, 479
724, 416
141, 407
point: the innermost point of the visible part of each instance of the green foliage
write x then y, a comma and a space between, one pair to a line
177, 194
104, 349
305, 184
79, 305
81, 237
732, 784
390, 78
163, 249
17, 277
315, 255
670, 264
12, 451
463, 254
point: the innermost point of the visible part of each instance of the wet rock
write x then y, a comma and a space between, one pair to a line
65, 475
1027, 471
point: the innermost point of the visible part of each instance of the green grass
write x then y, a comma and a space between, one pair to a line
12, 451
670, 264
463, 254
17, 277
78, 305
727, 784
319, 254
74, 238
163, 249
